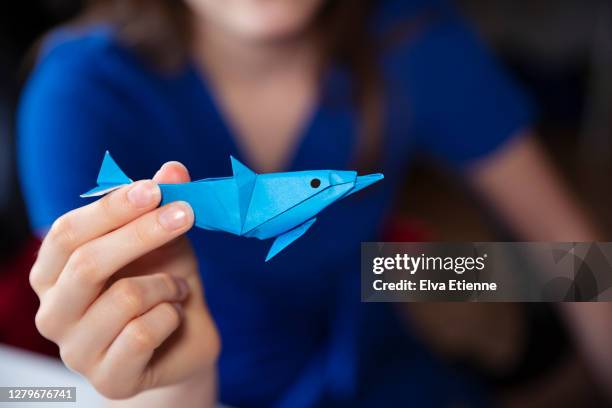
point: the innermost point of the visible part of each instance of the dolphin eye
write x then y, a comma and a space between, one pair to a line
315, 183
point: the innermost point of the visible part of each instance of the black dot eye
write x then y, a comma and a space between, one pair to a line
315, 183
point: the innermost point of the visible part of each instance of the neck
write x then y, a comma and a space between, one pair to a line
230, 58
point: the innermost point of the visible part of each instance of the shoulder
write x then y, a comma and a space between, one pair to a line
441, 57
71, 65
65, 82
77, 52
89, 41
462, 99
428, 29
428, 47
390, 13
83, 75
81, 62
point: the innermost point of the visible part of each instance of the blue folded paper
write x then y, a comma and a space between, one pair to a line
273, 205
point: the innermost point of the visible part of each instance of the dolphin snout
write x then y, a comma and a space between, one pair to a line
362, 182
350, 183
342, 177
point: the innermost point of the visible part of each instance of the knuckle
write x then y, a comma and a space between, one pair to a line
129, 295
149, 379
211, 348
35, 277
214, 347
62, 234
169, 284
107, 205
171, 315
107, 386
71, 358
140, 337
142, 233
212, 342
48, 319
44, 322
83, 266
102, 384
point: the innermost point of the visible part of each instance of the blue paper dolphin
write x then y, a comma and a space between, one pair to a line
273, 205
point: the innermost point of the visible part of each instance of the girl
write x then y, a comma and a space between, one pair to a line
281, 85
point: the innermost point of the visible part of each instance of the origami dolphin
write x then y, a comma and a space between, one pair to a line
274, 205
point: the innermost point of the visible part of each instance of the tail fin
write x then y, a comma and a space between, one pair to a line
110, 178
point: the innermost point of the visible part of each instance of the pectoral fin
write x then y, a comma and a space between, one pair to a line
283, 241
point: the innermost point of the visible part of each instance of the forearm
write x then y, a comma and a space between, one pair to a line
198, 392
526, 191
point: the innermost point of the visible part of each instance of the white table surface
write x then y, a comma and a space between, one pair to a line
19, 368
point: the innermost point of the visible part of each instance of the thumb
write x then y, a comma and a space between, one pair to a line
172, 173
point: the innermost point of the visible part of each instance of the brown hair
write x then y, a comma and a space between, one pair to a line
159, 30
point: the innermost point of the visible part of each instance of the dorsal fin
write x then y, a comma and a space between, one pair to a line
240, 170
110, 173
110, 178
245, 181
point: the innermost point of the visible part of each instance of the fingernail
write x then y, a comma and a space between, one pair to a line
158, 173
161, 170
143, 194
174, 216
183, 288
179, 309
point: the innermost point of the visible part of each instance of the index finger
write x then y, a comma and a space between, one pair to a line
84, 224
172, 172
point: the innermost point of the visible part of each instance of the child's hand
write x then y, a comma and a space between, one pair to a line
120, 292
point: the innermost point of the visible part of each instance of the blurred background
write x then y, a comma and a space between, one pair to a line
562, 52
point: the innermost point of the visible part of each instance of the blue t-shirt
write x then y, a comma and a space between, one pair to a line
294, 331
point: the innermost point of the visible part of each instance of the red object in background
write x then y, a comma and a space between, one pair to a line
406, 229
18, 303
